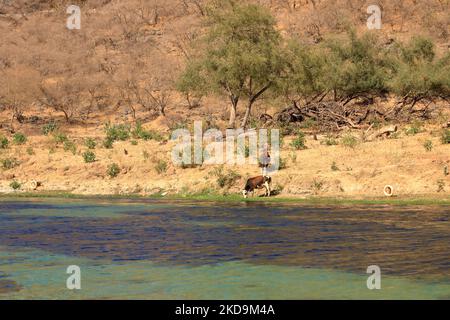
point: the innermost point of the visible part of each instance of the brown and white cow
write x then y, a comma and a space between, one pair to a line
257, 183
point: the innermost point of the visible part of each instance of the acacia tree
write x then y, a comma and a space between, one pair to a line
419, 75
242, 56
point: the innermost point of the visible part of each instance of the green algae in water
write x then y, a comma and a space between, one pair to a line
159, 250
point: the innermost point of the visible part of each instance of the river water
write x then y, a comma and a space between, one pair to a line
156, 249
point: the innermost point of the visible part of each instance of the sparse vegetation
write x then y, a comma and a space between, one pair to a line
49, 128
70, 146
330, 141
15, 185
30, 151
349, 141
445, 138
9, 163
113, 170
4, 142
19, 138
317, 186
161, 166
428, 145
299, 142
88, 156
225, 179
440, 185
60, 137
117, 132
90, 143
108, 143
140, 133
334, 166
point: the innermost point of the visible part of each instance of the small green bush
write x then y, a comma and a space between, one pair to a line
15, 185
134, 142
117, 132
414, 129
349, 141
428, 145
9, 163
161, 166
113, 170
3, 142
440, 185
30, 151
299, 142
334, 166
19, 138
60, 137
445, 138
226, 179
88, 156
330, 141
70, 146
49, 128
140, 133
90, 143
108, 143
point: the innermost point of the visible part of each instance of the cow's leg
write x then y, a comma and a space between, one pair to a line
266, 184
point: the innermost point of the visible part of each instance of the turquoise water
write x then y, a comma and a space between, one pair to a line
188, 250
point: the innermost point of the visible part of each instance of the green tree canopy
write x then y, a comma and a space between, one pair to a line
242, 57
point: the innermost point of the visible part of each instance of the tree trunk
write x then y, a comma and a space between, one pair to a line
232, 116
247, 115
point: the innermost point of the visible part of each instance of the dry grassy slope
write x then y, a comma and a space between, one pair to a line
403, 162
364, 171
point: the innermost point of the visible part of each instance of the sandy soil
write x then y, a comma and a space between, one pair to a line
320, 170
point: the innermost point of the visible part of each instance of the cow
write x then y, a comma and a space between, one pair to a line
257, 183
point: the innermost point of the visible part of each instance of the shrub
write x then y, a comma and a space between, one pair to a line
9, 163
330, 141
90, 143
299, 142
428, 145
282, 164
334, 166
15, 185
161, 166
117, 132
440, 185
19, 138
226, 179
113, 170
349, 141
414, 129
317, 185
70, 146
4, 142
49, 128
108, 143
445, 138
140, 133
30, 151
88, 156
134, 142
60, 137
